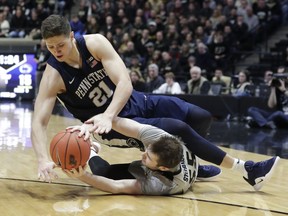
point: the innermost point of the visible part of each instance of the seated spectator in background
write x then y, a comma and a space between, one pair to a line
169, 64
225, 81
191, 62
137, 80
242, 85
77, 26
127, 54
277, 117
197, 84
268, 76
34, 25
41, 57
18, 24
240, 29
220, 50
154, 80
251, 19
170, 86
160, 42
204, 60
91, 25
4, 26
136, 64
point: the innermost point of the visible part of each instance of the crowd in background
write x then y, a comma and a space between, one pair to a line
169, 46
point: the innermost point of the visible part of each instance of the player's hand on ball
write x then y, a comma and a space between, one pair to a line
83, 129
75, 173
46, 172
102, 123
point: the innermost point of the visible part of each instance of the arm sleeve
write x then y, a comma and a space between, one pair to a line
149, 134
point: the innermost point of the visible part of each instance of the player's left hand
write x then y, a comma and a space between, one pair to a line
102, 123
83, 130
75, 173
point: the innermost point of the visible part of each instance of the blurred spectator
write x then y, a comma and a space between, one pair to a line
154, 80
215, 18
230, 5
220, 50
4, 25
183, 57
152, 27
42, 13
109, 25
192, 43
137, 81
159, 22
242, 85
204, 60
191, 62
170, 86
128, 53
41, 57
7, 13
169, 64
34, 25
160, 42
141, 43
197, 84
77, 26
251, 19
172, 34
200, 35
82, 12
224, 81
18, 24
136, 64
92, 25
240, 29
268, 76
148, 57
138, 24
206, 11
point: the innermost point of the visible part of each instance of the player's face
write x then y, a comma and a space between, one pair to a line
60, 46
150, 160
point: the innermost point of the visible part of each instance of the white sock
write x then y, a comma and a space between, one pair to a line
93, 153
238, 165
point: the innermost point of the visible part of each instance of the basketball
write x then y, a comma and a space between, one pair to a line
68, 150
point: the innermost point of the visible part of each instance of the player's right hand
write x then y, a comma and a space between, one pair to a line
46, 172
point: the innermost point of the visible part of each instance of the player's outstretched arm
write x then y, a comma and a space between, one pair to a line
125, 186
43, 107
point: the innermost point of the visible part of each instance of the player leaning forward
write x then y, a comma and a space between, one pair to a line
167, 166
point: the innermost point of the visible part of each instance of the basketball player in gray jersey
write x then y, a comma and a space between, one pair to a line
167, 166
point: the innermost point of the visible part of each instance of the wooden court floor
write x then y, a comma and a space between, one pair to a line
23, 195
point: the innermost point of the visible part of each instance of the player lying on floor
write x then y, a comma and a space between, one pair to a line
166, 168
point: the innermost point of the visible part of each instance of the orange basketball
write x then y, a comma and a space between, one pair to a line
68, 150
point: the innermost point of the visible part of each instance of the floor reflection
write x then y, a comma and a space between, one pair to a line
236, 136
15, 123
